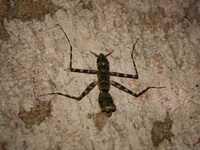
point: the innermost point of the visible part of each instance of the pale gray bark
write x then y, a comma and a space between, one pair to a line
35, 61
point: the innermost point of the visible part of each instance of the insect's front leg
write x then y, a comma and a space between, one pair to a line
128, 75
74, 69
85, 92
121, 87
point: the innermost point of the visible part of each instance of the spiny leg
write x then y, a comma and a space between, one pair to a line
134, 65
85, 92
121, 87
74, 69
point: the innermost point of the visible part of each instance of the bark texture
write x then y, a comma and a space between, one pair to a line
35, 57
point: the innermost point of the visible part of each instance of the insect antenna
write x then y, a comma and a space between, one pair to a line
109, 53
98, 55
94, 54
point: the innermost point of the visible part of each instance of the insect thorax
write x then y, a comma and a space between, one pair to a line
103, 73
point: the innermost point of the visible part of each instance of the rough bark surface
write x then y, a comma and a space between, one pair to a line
34, 60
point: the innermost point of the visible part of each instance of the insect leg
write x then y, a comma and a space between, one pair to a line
134, 65
74, 69
121, 87
85, 92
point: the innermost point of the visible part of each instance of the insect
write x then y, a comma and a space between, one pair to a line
103, 74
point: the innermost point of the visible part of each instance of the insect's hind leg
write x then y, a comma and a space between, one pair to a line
85, 92
134, 65
121, 87
74, 69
